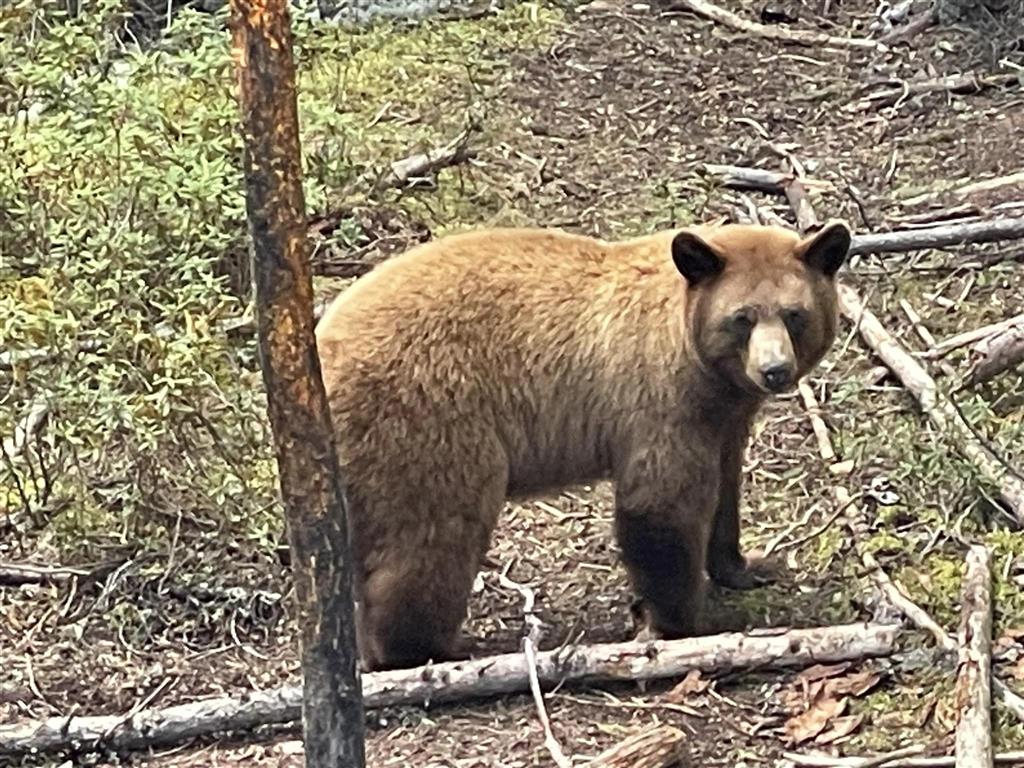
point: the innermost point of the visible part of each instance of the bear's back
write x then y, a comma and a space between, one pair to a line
536, 336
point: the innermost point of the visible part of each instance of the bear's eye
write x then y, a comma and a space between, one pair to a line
795, 320
740, 322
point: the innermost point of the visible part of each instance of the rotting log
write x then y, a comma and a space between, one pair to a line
973, 692
460, 681
310, 483
660, 747
997, 354
939, 410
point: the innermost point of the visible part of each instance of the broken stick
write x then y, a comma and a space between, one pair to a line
973, 693
939, 409
459, 681
953, 343
659, 747
779, 34
424, 164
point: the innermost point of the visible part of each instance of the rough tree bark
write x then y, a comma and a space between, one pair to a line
332, 711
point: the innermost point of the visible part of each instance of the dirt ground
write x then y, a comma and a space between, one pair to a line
606, 131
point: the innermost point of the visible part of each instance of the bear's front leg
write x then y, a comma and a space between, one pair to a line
665, 561
727, 565
665, 506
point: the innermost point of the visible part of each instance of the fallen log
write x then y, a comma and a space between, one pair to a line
973, 692
939, 409
892, 760
459, 681
660, 747
944, 236
997, 354
779, 34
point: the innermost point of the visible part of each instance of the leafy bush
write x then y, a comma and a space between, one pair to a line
121, 196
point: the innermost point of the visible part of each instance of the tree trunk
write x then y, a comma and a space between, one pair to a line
332, 710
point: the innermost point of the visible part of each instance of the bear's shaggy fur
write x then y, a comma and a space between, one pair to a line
506, 362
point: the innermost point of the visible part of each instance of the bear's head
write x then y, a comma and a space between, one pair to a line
761, 301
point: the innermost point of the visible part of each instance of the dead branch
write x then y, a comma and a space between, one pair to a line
779, 34
974, 335
15, 574
893, 760
997, 354
825, 449
939, 409
659, 747
973, 692
530, 642
759, 179
959, 84
459, 681
424, 164
990, 231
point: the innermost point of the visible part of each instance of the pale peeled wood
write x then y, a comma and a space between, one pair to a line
660, 747
973, 691
459, 681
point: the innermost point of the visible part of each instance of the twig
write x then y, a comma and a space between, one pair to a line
658, 747
15, 574
779, 34
458, 681
917, 322
825, 449
530, 640
968, 83
939, 410
973, 692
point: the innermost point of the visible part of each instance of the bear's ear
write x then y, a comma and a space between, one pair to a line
827, 249
696, 260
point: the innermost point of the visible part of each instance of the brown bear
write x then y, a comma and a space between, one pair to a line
503, 363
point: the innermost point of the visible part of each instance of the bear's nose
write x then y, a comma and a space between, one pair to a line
777, 377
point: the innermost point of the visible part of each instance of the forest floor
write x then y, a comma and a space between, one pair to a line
599, 119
